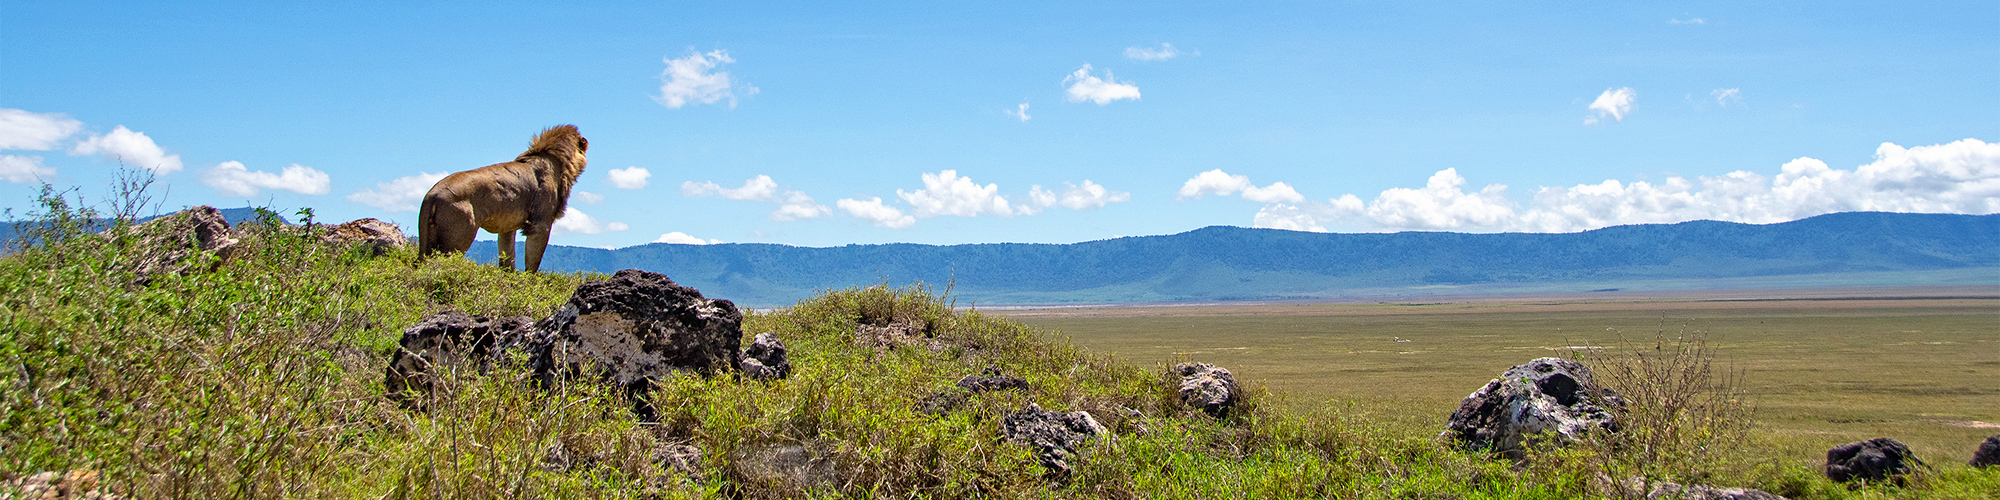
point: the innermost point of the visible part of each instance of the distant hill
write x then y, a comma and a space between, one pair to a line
1221, 263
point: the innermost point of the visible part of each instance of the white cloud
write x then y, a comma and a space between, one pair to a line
575, 221
1724, 97
628, 177
1165, 52
1691, 20
34, 131
692, 79
945, 193
1308, 216
1020, 112
232, 178
876, 213
797, 205
1613, 103
680, 238
1442, 204
1084, 86
399, 195
1088, 196
792, 205
131, 148
587, 197
1222, 183
24, 169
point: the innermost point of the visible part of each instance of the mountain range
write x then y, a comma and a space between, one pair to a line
1223, 263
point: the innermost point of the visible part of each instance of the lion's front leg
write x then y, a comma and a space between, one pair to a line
507, 249
538, 240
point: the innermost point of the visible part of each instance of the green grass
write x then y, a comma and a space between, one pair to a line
262, 379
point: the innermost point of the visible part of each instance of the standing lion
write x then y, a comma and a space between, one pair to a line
527, 194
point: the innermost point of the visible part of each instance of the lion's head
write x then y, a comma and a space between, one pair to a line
564, 146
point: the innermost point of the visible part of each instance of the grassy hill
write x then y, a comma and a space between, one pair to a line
1232, 263
263, 379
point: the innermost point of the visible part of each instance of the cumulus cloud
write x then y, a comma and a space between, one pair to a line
1222, 183
575, 221
232, 178
400, 195
587, 197
1084, 86
792, 205
873, 211
1165, 52
1442, 204
693, 79
24, 169
1309, 215
1613, 104
945, 193
1725, 97
628, 177
680, 238
1020, 112
131, 148
34, 131
1088, 196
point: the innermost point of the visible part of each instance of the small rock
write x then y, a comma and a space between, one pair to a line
1988, 454
765, 359
789, 469
444, 341
378, 236
991, 380
1552, 395
169, 244
1872, 460
633, 328
81, 484
1053, 436
1671, 491
1208, 388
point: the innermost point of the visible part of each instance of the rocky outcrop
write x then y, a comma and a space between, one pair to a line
1988, 454
633, 328
1873, 460
175, 243
991, 380
1672, 491
1053, 436
446, 341
765, 359
373, 234
1552, 395
79, 484
1207, 388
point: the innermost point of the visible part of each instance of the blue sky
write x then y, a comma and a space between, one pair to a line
964, 123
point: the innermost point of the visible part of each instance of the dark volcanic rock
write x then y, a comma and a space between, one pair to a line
633, 328
991, 380
1053, 436
1552, 395
171, 244
1988, 454
765, 359
1872, 460
445, 341
377, 236
1208, 388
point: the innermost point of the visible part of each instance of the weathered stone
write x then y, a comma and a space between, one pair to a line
633, 328
1988, 454
1672, 491
172, 244
377, 236
765, 359
1873, 460
1546, 395
1208, 388
991, 380
81, 484
1053, 436
786, 469
890, 336
446, 341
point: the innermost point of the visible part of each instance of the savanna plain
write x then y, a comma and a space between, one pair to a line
1818, 367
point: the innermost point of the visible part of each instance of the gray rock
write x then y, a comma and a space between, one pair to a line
1053, 436
765, 359
1874, 460
785, 469
373, 234
1988, 454
1208, 388
1671, 491
172, 243
446, 341
991, 380
633, 328
1552, 395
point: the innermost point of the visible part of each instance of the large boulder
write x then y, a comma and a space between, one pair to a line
174, 243
1988, 454
1873, 460
1207, 388
1053, 436
373, 234
765, 359
445, 341
633, 328
1546, 395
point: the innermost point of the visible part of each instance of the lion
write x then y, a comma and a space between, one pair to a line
527, 194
